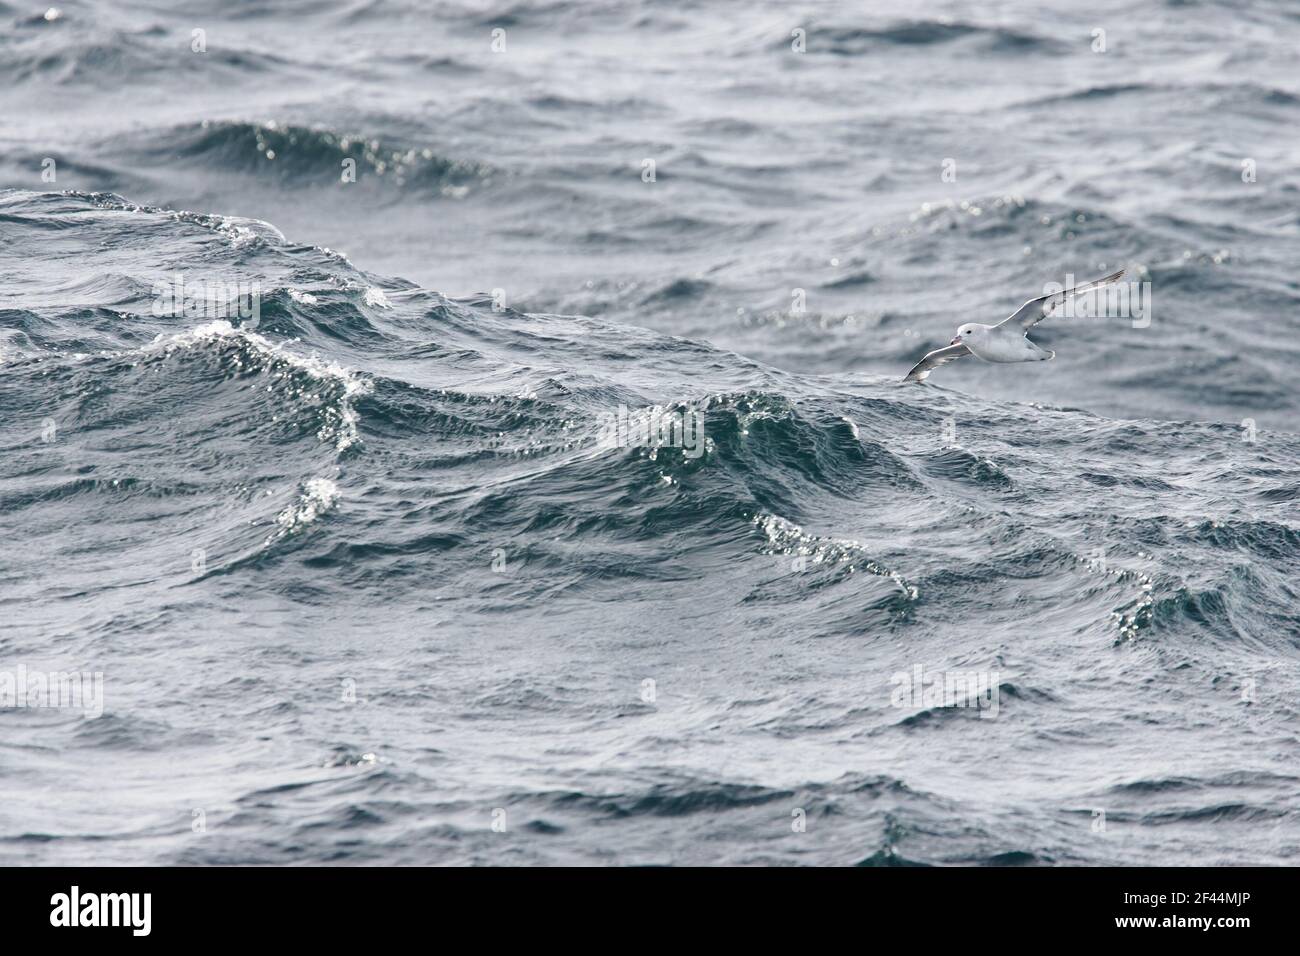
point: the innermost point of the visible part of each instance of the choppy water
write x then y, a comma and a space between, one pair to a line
363, 575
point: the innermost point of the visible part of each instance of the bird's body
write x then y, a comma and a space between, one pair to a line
994, 344
1008, 341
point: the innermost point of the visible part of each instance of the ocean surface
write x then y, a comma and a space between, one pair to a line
377, 570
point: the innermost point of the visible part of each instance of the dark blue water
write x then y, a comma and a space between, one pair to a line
365, 577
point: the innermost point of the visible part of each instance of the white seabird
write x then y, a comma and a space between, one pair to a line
1008, 341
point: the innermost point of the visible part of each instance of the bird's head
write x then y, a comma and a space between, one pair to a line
963, 332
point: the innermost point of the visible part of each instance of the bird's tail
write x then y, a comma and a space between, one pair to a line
1039, 354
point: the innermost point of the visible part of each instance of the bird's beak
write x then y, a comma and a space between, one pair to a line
956, 340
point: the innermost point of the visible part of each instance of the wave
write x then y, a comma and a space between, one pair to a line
70, 51
503, 413
330, 388
1242, 95
855, 41
292, 155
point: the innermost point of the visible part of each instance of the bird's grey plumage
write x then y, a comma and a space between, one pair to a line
1035, 310
932, 360
1008, 341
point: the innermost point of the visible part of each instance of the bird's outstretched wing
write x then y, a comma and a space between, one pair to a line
1034, 311
932, 360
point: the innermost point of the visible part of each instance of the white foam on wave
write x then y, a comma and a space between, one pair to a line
787, 538
342, 431
318, 496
